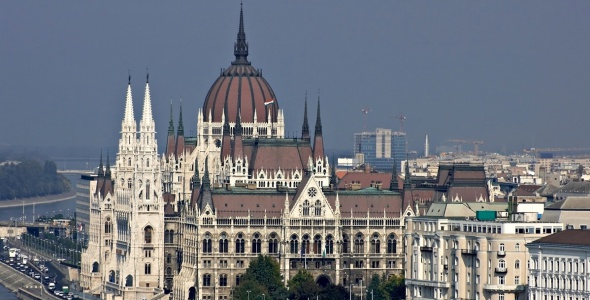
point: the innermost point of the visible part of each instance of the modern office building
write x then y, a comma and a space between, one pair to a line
381, 148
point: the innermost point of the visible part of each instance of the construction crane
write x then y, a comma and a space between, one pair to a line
538, 150
475, 144
365, 111
401, 119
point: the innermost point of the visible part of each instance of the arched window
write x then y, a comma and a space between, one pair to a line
345, 244
256, 243
501, 264
305, 244
169, 271
129, 280
168, 258
375, 244
147, 190
391, 244
111, 276
129, 182
240, 246
223, 280
147, 163
108, 226
207, 243
517, 247
147, 234
318, 208
129, 162
317, 244
329, 245
517, 264
273, 243
239, 278
223, 243
306, 208
359, 243
294, 244
147, 269
207, 280
171, 238
95, 267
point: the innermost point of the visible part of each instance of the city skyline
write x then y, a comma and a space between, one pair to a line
510, 74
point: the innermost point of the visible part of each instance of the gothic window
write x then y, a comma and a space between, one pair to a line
169, 271
147, 163
305, 244
501, 264
375, 244
223, 280
306, 208
317, 244
129, 162
129, 183
318, 208
391, 244
517, 264
95, 267
147, 269
108, 226
329, 244
345, 244
359, 243
129, 280
294, 244
207, 280
147, 190
169, 258
256, 243
239, 278
207, 243
273, 243
147, 234
240, 243
223, 243
111, 276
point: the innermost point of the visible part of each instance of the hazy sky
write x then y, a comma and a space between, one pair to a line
510, 73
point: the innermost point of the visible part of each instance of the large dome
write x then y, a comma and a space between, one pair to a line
241, 88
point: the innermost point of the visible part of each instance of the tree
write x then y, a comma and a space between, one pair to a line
264, 276
375, 289
395, 287
302, 286
333, 292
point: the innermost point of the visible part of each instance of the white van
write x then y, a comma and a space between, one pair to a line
51, 286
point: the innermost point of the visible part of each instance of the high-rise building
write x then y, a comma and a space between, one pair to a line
381, 148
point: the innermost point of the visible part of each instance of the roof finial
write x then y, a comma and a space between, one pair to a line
108, 171
180, 125
196, 177
305, 129
318, 122
129, 72
241, 47
171, 122
147, 76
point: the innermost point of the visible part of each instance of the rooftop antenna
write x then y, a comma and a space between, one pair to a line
401, 119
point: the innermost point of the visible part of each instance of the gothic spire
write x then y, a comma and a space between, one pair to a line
100, 166
305, 128
147, 101
196, 178
171, 122
206, 181
393, 185
180, 125
108, 170
407, 176
129, 104
318, 122
241, 47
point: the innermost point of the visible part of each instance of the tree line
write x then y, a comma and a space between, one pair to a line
263, 277
31, 178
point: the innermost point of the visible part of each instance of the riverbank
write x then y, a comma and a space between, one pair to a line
38, 200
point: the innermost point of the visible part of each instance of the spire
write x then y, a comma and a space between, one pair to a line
100, 166
147, 101
180, 125
318, 122
393, 185
108, 171
129, 104
334, 178
171, 122
305, 128
241, 47
237, 149
407, 176
206, 181
196, 178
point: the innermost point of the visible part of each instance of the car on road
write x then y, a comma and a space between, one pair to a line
37, 276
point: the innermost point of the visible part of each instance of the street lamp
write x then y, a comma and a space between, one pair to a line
263, 297
248, 294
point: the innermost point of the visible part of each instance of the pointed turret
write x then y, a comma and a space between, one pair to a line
407, 180
241, 47
196, 180
147, 102
226, 139
305, 127
334, 178
129, 118
393, 184
147, 130
318, 143
107, 173
100, 166
205, 198
180, 134
170, 142
237, 149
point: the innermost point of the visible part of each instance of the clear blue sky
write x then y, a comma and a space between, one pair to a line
510, 73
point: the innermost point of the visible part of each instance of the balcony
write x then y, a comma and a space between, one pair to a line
502, 253
426, 249
501, 270
469, 251
516, 288
429, 283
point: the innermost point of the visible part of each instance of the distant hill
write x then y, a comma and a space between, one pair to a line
30, 178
